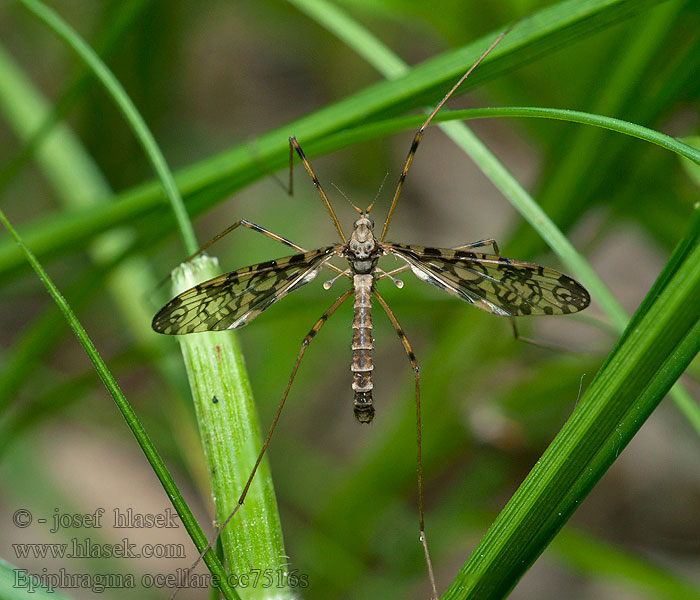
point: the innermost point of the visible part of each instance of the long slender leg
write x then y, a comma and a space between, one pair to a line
419, 135
416, 372
548, 345
253, 227
291, 170
289, 188
236, 225
307, 340
295, 145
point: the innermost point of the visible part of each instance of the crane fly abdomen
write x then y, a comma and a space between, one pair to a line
362, 344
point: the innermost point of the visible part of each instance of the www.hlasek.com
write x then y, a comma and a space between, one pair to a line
86, 548
182, 578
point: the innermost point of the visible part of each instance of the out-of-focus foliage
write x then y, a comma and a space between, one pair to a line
209, 76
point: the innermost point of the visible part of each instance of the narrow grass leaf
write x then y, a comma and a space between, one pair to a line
18, 584
658, 344
130, 417
129, 110
228, 422
232, 169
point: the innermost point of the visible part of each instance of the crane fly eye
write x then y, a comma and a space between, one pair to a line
371, 222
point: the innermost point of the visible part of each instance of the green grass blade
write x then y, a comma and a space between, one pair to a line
245, 546
583, 164
121, 98
71, 172
693, 170
120, 20
601, 560
574, 116
130, 417
660, 341
232, 169
78, 183
229, 430
18, 584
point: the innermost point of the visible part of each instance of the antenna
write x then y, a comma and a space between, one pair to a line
379, 191
342, 193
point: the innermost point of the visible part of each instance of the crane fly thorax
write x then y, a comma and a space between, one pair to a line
362, 249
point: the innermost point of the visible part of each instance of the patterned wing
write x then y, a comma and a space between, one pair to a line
233, 300
496, 284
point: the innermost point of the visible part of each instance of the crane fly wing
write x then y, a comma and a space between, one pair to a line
496, 284
232, 300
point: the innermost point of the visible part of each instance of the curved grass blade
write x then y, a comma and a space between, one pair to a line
78, 183
229, 430
660, 341
130, 417
128, 109
222, 459
205, 183
15, 584
45, 123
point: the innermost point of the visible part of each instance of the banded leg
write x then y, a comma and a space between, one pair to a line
419, 135
253, 227
307, 340
250, 225
416, 372
293, 144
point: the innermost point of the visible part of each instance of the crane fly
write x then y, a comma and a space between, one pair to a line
499, 285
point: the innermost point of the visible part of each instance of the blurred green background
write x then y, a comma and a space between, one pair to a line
208, 76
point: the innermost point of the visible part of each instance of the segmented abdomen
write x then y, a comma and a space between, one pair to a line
362, 364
